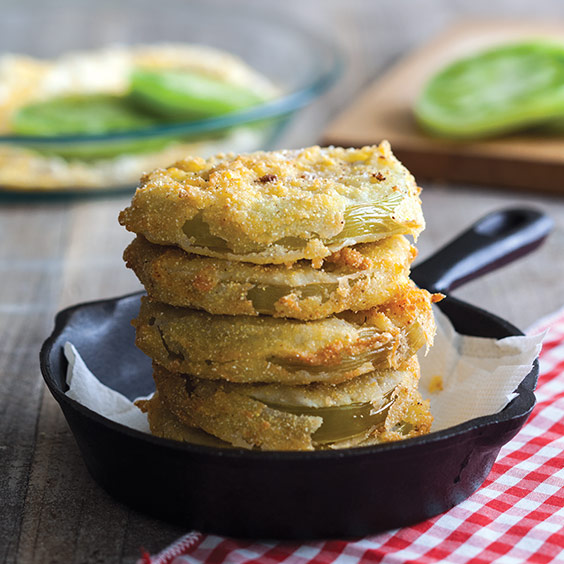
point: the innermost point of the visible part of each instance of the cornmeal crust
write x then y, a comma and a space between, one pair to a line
277, 207
163, 423
266, 349
239, 414
355, 278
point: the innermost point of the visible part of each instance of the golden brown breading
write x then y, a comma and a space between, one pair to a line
239, 415
267, 349
231, 416
163, 423
371, 387
277, 207
355, 278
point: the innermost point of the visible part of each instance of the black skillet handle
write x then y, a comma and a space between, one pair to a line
491, 242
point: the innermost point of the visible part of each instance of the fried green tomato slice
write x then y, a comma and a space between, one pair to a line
277, 207
267, 349
163, 423
366, 410
354, 278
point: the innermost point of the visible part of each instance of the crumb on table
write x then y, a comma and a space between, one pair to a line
436, 384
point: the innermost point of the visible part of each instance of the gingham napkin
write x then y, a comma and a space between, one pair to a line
517, 516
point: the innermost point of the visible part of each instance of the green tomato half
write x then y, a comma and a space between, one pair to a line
497, 91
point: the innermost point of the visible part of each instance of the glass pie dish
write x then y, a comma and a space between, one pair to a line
298, 62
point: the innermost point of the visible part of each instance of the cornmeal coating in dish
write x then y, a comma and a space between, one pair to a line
107, 71
355, 278
373, 408
267, 349
277, 207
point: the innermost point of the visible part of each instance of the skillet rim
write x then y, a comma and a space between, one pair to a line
514, 410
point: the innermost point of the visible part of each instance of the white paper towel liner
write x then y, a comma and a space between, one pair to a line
478, 377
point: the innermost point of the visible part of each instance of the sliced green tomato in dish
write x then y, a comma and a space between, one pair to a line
97, 114
157, 97
182, 94
497, 91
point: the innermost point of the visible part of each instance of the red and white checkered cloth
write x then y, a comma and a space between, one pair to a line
516, 516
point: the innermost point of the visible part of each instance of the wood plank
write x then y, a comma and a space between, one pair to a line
67, 517
27, 303
384, 111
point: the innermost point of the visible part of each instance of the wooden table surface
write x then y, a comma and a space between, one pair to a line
58, 253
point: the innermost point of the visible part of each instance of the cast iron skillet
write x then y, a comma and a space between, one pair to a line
295, 495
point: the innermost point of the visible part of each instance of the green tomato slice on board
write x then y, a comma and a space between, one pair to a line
182, 94
497, 91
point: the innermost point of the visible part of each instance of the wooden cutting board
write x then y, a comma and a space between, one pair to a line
383, 111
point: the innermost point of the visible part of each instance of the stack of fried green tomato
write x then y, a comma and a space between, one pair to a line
280, 314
